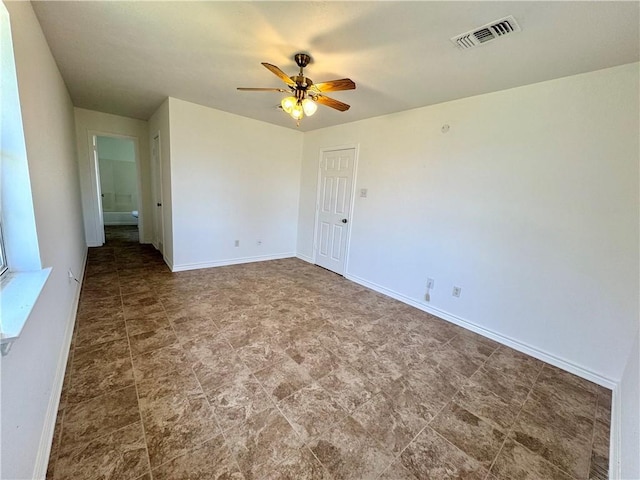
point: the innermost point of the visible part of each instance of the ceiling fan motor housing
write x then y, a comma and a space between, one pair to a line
302, 59
301, 82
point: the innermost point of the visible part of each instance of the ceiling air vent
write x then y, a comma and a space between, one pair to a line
486, 33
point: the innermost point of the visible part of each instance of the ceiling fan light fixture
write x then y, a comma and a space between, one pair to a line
303, 95
297, 111
288, 103
309, 107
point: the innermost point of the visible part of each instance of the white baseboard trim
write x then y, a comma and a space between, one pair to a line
615, 442
46, 438
304, 257
231, 261
168, 262
94, 244
508, 341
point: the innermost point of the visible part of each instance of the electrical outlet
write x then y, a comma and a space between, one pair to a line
429, 283
237, 243
456, 291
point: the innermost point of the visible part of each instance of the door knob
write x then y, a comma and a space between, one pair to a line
158, 204
344, 220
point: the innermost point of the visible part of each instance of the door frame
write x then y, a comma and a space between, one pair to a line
95, 182
323, 150
157, 192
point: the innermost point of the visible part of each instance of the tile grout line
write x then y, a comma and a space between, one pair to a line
450, 400
506, 437
119, 389
215, 416
466, 382
275, 404
523, 446
427, 425
179, 343
164, 311
546, 365
135, 384
305, 443
441, 409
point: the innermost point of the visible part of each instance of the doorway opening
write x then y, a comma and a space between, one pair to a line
118, 184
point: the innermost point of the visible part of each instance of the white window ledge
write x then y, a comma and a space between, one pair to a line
18, 294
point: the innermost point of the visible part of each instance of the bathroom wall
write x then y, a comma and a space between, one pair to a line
118, 180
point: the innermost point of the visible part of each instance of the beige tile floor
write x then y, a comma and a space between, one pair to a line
282, 370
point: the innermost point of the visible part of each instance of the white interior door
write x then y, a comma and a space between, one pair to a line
158, 221
96, 165
334, 207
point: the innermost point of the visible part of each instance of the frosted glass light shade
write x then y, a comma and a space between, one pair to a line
309, 107
297, 112
288, 103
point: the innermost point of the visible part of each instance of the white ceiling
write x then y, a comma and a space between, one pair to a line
127, 57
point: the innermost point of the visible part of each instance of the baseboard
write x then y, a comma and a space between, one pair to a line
168, 262
503, 339
615, 443
46, 438
231, 261
304, 257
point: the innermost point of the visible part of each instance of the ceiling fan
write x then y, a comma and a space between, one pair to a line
304, 94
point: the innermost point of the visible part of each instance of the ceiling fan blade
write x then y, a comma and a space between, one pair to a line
249, 89
331, 102
335, 85
279, 73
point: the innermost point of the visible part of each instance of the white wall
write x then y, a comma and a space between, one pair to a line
232, 178
31, 377
90, 121
629, 393
159, 124
119, 185
529, 203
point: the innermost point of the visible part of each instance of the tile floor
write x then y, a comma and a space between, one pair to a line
282, 370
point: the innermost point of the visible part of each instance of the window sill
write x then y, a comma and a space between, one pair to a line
19, 292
